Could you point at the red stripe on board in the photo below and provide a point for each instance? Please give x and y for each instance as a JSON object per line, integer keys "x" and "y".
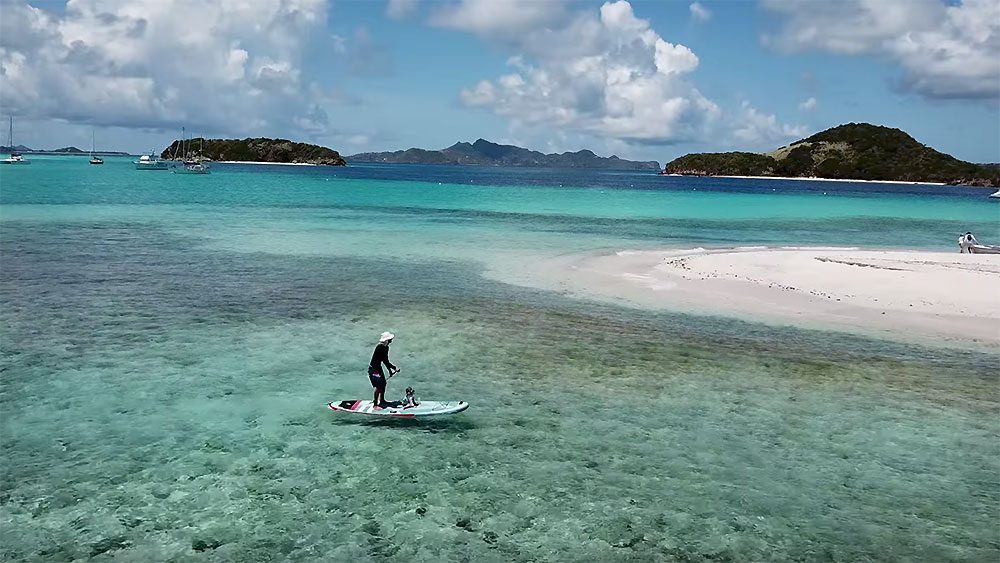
{"x": 355, "y": 405}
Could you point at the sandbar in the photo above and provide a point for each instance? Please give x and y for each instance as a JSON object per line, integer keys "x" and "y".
{"x": 941, "y": 297}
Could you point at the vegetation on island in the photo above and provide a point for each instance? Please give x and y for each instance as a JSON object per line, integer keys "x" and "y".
{"x": 485, "y": 153}
{"x": 253, "y": 150}
{"x": 855, "y": 151}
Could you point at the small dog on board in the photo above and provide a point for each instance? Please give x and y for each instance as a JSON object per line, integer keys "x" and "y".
{"x": 410, "y": 400}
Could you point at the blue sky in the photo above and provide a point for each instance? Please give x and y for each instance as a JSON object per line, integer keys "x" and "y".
{"x": 647, "y": 80}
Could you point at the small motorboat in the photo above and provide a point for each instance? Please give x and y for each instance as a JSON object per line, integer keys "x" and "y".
{"x": 984, "y": 249}
{"x": 149, "y": 162}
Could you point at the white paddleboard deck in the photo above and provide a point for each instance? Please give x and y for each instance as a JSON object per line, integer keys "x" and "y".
{"x": 425, "y": 408}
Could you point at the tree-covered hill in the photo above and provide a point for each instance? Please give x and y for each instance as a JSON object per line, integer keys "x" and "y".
{"x": 855, "y": 151}
{"x": 254, "y": 150}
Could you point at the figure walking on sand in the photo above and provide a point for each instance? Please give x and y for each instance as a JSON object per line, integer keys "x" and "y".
{"x": 375, "y": 374}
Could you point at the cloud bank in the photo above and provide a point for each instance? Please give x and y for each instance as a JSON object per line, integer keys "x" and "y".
{"x": 227, "y": 66}
{"x": 607, "y": 73}
{"x": 944, "y": 50}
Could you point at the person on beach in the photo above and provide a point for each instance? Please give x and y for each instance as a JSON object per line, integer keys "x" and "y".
{"x": 375, "y": 374}
{"x": 966, "y": 241}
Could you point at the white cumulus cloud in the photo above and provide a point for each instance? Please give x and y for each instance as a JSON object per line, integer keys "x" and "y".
{"x": 945, "y": 49}
{"x": 700, "y": 12}
{"x": 607, "y": 74}
{"x": 229, "y": 66}
{"x": 757, "y": 129}
{"x": 808, "y": 105}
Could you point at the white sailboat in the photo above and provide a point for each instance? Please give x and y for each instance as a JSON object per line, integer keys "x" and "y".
{"x": 15, "y": 157}
{"x": 995, "y": 195}
{"x": 94, "y": 159}
{"x": 189, "y": 165}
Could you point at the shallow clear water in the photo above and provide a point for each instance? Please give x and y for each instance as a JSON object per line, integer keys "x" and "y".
{"x": 169, "y": 342}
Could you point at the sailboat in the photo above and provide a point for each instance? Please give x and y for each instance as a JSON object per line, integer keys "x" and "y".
{"x": 94, "y": 159}
{"x": 189, "y": 165}
{"x": 15, "y": 157}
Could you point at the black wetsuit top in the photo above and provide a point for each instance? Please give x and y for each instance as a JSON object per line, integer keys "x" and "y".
{"x": 380, "y": 355}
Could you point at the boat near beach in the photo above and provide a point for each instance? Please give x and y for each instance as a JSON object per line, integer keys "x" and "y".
{"x": 984, "y": 249}
{"x": 995, "y": 195}
{"x": 149, "y": 162}
{"x": 191, "y": 167}
{"x": 196, "y": 165}
{"x": 15, "y": 157}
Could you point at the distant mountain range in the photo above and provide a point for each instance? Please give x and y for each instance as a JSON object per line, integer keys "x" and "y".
{"x": 254, "y": 150}
{"x": 854, "y": 151}
{"x": 485, "y": 153}
{"x": 64, "y": 150}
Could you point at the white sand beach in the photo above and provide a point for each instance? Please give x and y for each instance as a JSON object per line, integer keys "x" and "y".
{"x": 813, "y": 179}
{"x": 943, "y": 297}
{"x": 267, "y": 163}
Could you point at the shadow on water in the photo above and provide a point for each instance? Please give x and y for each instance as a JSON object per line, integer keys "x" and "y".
{"x": 427, "y": 424}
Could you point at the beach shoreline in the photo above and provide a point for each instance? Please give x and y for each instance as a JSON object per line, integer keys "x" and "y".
{"x": 812, "y": 179}
{"x": 269, "y": 163}
{"x": 924, "y": 296}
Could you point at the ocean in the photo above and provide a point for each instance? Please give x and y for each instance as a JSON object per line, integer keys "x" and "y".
{"x": 169, "y": 343}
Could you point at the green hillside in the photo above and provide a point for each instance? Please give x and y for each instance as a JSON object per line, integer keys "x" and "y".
{"x": 254, "y": 150}
{"x": 855, "y": 151}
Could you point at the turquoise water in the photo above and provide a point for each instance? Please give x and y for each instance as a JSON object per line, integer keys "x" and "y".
{"x": 169, "y": 343}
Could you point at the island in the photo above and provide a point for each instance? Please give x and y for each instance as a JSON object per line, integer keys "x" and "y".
{"x": 853, "y": 151}
{"x": 485, "y": 153}
{"x": 72, "y": 151}
{"x": 261, "y": 149}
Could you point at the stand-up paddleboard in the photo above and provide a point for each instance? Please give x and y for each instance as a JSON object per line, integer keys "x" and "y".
{"x": 425, "y": 408}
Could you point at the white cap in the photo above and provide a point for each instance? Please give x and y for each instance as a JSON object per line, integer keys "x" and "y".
{"x": 386, "y": 336}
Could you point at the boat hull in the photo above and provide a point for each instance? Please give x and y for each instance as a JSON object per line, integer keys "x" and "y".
{"x": 191, "y": 169}
{"x": 984, "y": 249}
{"x": 150, "y": 166}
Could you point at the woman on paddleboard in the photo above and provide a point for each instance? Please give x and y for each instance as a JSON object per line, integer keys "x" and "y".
{"x": 375, "y": 374}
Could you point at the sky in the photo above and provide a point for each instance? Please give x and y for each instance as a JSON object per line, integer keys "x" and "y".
{"x": 645, "y": 80}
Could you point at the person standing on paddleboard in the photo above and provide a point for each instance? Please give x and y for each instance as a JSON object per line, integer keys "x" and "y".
{"x": 375, "y": 374}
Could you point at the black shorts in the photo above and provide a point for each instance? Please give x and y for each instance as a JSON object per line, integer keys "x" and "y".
{"x": 378, "y": 381}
